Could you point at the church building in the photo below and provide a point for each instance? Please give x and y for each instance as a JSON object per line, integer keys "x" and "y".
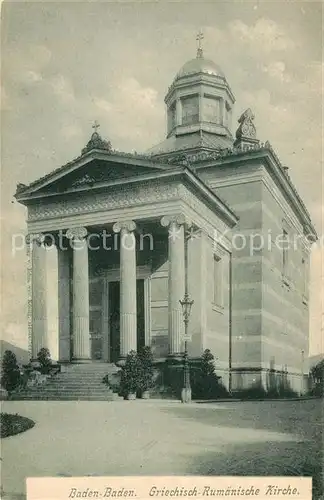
{"x": 116, "y": 239}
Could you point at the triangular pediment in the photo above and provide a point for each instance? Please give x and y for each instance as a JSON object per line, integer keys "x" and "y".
{"x": 98, "y": 170}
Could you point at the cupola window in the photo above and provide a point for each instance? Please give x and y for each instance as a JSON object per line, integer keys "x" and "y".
{"x": 172, "y": 117}
{"x": 211, "y": 110}
{"x": 228, "y": 116}
{"x": 190, "y": 110}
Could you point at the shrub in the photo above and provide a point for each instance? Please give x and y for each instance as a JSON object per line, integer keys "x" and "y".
{"x": 10, "y": 378}
{"x": 205, "y": 383}
{"x": 13, "y": 424}
{"x": 131, "y": 374}
{"x": 145, "y": 357}
{"x": 317, "y": 376}
{"x": 256, "y": 392}
{"x": 44, "y": 359}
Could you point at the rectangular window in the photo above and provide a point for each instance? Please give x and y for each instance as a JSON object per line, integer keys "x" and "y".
{"x": 211, "y": 110}
{"x": 305, "y": 277}
{"x": 190, "y": 110}
{"x": 218, "y": 281}
{"x": 285, "y": 248}
{"x": 228, "y": 116}
{"x": 172, "y": 117}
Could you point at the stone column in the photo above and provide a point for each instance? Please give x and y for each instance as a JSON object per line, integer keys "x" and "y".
{"x": 64, "y": 303}
{"x": 52, "y": 302}
{"x": 37, "y": 293}
{"x": 80, "y": 315}
{"x": 128, "y": 308}
{"x": 175, "y": 227}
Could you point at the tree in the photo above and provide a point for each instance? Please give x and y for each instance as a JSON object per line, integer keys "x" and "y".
{"x": 10, "y": 378}
{"x": 131, "y": 375}
{"x": 145, "y": 356}
{"x": 44, "y": 358}
{"x": 317, "y": 374}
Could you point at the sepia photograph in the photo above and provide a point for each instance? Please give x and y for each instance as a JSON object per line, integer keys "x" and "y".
{"x": 162, "y": 248}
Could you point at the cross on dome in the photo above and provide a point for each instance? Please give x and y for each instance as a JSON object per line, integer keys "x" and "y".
{"x": 199, "y": 38}
{"x": 95, "y": 125}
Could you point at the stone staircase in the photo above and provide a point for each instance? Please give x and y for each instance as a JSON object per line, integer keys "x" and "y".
{"x": 76, "y": 382}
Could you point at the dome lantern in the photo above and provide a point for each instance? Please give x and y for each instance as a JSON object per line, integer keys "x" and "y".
{"x": 200, "y": 100}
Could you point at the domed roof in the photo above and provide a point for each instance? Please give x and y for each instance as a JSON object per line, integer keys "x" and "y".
{"x": 199, "y": 65}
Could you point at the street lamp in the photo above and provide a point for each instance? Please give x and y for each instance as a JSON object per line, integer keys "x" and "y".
{"x": 186, "y": 305}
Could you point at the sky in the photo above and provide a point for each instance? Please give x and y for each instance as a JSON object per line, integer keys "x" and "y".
{"x": 65, "y": 65}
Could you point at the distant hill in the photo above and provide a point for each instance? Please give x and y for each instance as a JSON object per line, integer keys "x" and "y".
{"x": 21, "y": 354}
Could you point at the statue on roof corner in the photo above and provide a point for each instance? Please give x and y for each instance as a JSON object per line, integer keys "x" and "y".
{"x": 246, "y": 132}
{"x": 246, "y": 127}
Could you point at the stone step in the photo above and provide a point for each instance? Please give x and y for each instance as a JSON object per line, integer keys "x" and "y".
{"x": 71, "y": 397}
{"x": 75, "y": 382}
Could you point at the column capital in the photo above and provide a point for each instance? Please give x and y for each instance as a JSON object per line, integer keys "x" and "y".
{"x": 128, "y": 225}
{"x": 38, "y": 238}
{"x": 76, "y": 233}
{"x": 179, "y": 219}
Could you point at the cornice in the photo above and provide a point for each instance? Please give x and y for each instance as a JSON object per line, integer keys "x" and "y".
{"x": 96, "y": 154}
{"x": 199, "y": 79}
{"x": 155, "y": 181}
{"x": 265, "y": 152}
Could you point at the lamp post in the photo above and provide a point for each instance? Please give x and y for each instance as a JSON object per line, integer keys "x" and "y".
{"x": 302, "y": 373}
{"x": 186, "y": 304}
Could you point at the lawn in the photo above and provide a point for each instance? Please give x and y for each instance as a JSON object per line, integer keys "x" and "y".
{"x": 164, "y": 438}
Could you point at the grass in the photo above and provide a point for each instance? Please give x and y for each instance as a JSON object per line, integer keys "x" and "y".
{"x": 14, "y": 424}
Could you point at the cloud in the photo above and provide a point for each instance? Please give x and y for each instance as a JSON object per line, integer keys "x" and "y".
{"x": 25, "y": 63}
{"x": 133, "y": 113}
{"x": 5, "y": 102}
{"x": 265, "y": 35}
{"x": 33, "y": 77}
{"x": 277, "y": 70}
{"x": 62, "y": 88}
{"x": 70, "y": 131}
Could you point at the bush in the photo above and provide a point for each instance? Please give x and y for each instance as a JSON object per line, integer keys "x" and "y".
{"x": 145, "y": 357}
{"x": 44, "y": 359}
{"x": 317, "y": 377}
{"x": 112, "y": 381}
{"x": 256, "y": 392}
{"x": 13, "y": 424}
{"x": 131, "y": 375}
{"x": 205, "y": 384}
{"x": 10, "y": 378}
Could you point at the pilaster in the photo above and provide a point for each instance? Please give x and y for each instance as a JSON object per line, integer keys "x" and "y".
{"x": 37, "y": 289}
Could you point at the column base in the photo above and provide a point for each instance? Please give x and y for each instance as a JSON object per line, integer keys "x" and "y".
{"x": 176, "y": 356}
{"x": 186, "y": 395}
{"x": 81, "y": 360}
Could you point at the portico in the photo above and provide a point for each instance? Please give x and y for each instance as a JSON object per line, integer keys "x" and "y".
{"x": 106, "y": 262}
